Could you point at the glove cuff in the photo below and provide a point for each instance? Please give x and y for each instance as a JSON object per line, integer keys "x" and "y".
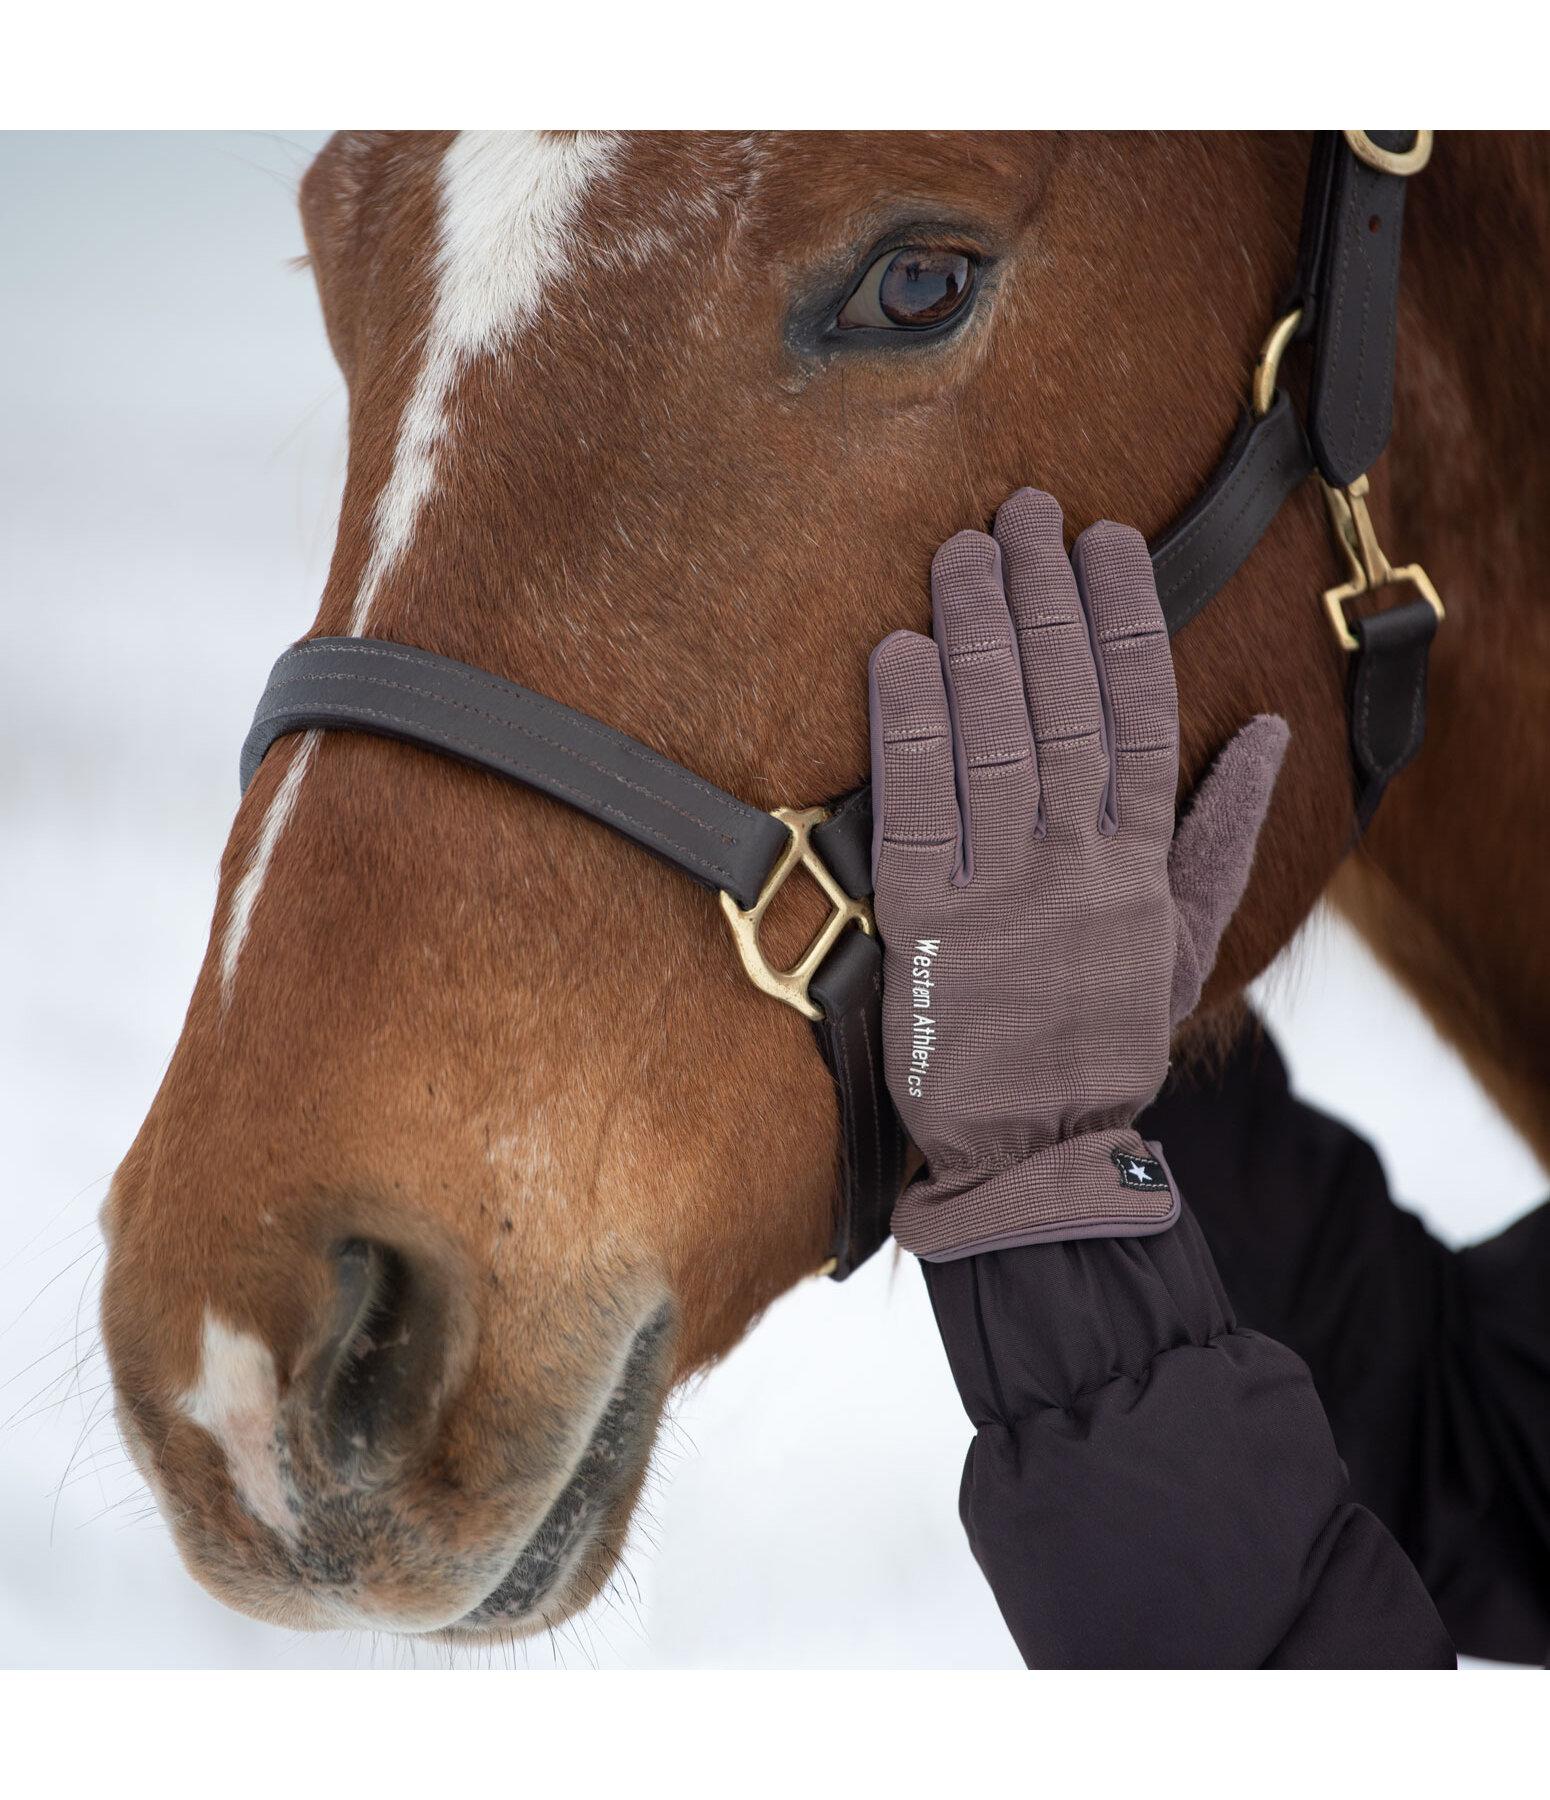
{"x": 1102, "y": 1184}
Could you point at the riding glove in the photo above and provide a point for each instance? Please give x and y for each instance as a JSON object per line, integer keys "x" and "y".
{"x": 1044, "y": 923}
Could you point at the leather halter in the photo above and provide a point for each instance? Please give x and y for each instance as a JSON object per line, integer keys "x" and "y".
{"x": 1344, "y": 298}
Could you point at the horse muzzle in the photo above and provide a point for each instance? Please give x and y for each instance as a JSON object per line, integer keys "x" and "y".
{"x": 386, "y": 1472}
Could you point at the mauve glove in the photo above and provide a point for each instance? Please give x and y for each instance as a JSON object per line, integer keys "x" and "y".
{"x": 1044, "y": 926}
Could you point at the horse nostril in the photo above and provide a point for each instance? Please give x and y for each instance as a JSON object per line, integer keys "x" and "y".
{"x": 384, "y": 1369}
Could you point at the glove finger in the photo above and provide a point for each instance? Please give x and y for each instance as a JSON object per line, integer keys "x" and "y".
{"x": 914, "y": 805}
{"x": 1059, "y": 676}
{"x": 1213, "y": 849}
{"x": 1135, "y": 670}
{"x": 998, "y": 781}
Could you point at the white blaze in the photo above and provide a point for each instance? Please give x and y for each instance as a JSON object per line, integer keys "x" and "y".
{"x": 237, "y": 1400}
{"x": 251, "y": 881}
{"x": 509, "y": 201}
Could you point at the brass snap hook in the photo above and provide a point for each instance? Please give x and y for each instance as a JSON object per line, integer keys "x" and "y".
{"x": 1370, "y": 568}
{"x": 791, "y": 984}
{"x": 1348, "y": 513}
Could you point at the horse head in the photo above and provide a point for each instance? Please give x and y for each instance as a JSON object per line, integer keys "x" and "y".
{"x": 477, "y": 1140}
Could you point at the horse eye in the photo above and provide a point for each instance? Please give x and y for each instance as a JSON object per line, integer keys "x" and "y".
{"x": 909, "y": 288}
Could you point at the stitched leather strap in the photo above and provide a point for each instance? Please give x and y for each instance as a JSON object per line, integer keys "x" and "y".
{"x": 1351, "y": 405}
{"x": 844, "y": 841}
{"x": 849, "y": 988}
{"x": 1303, "y": 295}
{"x": 1388, "y": 697}
{"x": 1200, "y": 553}
{"x": 1347, "y": 284}
{"x": 392, "y": 690}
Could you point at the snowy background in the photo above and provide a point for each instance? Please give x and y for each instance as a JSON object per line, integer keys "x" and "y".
{"x": 172, "y": 455}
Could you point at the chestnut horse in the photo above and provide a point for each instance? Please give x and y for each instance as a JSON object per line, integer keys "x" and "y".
{"x": 476, "y": 1140}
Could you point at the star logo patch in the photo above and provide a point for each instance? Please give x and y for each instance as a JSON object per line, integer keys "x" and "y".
{"x": 1139, "y": 1171}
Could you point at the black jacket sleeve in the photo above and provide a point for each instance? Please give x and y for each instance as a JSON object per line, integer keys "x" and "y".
{"x": 1152, "y": 1486}
{"x": 1433, "y": 1365}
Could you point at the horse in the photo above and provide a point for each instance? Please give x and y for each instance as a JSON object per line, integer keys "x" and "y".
{"x": 476, "y": 1142}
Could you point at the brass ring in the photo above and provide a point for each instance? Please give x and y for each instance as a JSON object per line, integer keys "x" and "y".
{"x": 1269, "y": 364}
{"x": 1391, "y": 162}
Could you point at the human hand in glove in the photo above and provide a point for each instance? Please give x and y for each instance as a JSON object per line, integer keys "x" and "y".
{"x": 1044, "y": 924}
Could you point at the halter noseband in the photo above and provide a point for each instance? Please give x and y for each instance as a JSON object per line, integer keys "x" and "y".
{"x": 1344, "y": 299}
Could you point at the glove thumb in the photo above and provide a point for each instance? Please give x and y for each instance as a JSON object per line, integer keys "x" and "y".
{"x": 1213, "y": 850}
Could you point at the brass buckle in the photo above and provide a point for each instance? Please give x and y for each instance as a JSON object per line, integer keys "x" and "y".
{"x": 790, "y": 984}
{"x": 1370, "y": 568}
{"x": 1391, "y": 162}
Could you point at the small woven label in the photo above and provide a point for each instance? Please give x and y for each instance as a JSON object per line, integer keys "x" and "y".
{"x": 1139, "y": 1171}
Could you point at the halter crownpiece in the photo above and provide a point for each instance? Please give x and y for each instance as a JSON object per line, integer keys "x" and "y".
{"x": 1345, "y": 299}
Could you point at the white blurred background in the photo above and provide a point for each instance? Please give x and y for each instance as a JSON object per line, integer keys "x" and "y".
{"x": 172, "y": 453}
